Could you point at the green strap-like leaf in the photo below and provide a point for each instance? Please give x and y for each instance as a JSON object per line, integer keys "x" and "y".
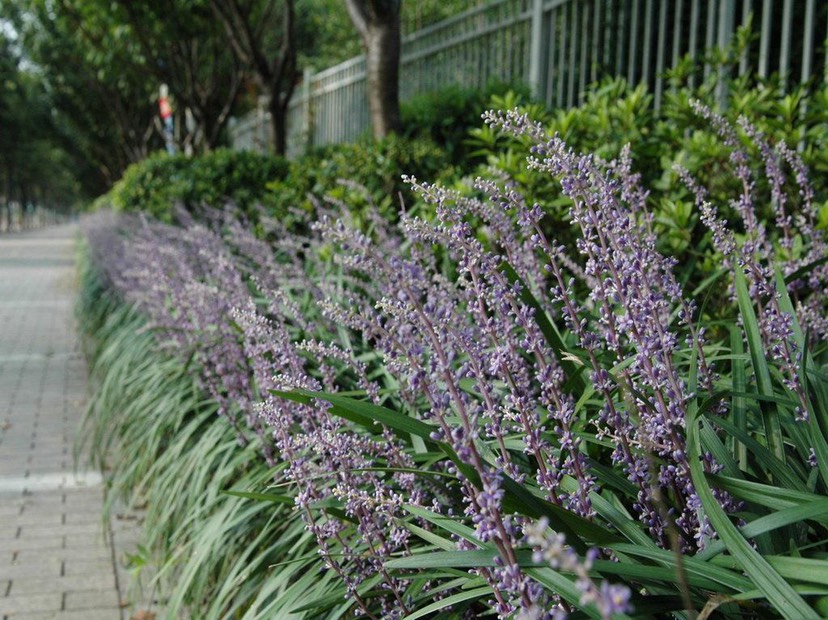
{"x": 816, "y": 510}
{"x": 770, "y": 415}
{"x": 778, "y": 591}
{"x": 773, "y": 497}
{"x": 517, "y": 498}
{"x": 818, "y": 409}
{"x": 262, "y": 497}
{"x": 461, "y": 597}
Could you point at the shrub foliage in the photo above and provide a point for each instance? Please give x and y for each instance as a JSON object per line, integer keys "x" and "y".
{"x": 162, "y": 182}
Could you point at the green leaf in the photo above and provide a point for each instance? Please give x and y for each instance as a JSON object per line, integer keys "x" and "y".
{"x": 805, "y": 270}
{"x": 778, "y": 591}
{"x": 738, "y": 407}
{"x": 816, "y": 510}
{"x": 697, "y": 571}
{"x": 449, "y": 524}
{"x": 770, "y": 416}
{"x": 430, "y": 537}
{"x": 517, "y": 498}
{"x": 798, "y": 569}
{"x": 776, "y": 498}
{"x": 453, "y": 559}
{"x": 461, "y": 597}
{"x": 780, "y": 472}
{"x": 363, "y": 413}
{"x": 262, "y": 497}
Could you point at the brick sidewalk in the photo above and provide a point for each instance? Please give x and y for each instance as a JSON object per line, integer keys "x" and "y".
{"x": 55, "y": 560}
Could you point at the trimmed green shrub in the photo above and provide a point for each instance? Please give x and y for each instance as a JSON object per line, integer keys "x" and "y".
{"x": 372, "y": 166}
{"x": 161, "y": 181}
{"x": 616, "y": 114}
{"x": 446, "y": 116}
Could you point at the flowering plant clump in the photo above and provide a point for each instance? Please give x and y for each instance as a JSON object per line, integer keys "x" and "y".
{"x": 474, "y": 417}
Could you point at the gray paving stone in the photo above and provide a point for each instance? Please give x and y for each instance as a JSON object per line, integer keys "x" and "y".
{"x": 31, "y": 571}
{"x": 37, "y": 518}
{"x": 62, "y": 584}
{"x": 12, "y": 605}
{"x": 90, "y": 556}
{"x": 83, "y": 614}
{"x": 86, "y": 530}
{"x": 20, "y": 544}
{"x": 90, "y": 599}
{"x": 75, "y": 568}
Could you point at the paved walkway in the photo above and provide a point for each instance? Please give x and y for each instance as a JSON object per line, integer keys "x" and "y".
{"x": 55, "y": 560}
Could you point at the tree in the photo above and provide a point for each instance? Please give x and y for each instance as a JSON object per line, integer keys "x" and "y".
{"x": 183, "y": 46}
{"x": 36, "y": 165}
{"x": 88, "y": 61}
{"x": 264, "y": 40}
{"x": 378, "y": 24}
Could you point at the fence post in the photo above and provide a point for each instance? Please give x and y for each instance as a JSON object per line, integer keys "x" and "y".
{"x": 536, "y": 55}
{"x": 785, "y": 51}
{"x": 808, "y": 43}
{"x": 764, "y": 39}
{"x": 307, "y": 109}
{"x": 727, "y": 16}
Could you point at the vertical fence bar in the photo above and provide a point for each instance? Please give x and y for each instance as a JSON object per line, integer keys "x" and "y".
{"x": 677, "y": 19}
{"x": 607, "y": 44}
{"x": 564, "y": 51}
{"x": 307, "y": 110}
{"x": 551, "y": 64}
{"x": 660, "y": 53}
{"x": 764, "y": 39}
{"x": 785, "y": 44}
{"x": 573, "y": 55}
{"x": 633, "y": 44}
{"x": 536, "y": 54}
{"x": 648, "y": 38}
{"x": 621, "y": 30}
{"x": 747, "y": 10}
{"x": 582, "y": 64}
{"x": 596, "y": 41}
{"x": 694, "y": 36}
{"x": 709, "y": 33}
{"x": 727, "y": 15}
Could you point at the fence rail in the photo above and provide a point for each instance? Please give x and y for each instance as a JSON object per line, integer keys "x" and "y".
{"x": 558, "y": 47}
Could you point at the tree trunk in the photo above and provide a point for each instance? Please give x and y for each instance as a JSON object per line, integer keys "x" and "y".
{"x": 275, "y": 73}
{"x": 382, "y": 60}
{"x": 378, "y": 25}
{"x": 9, "y": 184}
{"x": 278, "y": 124}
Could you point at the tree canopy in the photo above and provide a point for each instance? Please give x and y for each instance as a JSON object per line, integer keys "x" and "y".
{"x": 80, "y": 78}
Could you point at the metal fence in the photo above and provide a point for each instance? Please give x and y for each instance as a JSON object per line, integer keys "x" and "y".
{"x": 559, "y": 47}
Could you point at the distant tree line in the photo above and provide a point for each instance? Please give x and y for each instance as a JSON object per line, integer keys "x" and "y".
{"x": 81, "y": 78}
